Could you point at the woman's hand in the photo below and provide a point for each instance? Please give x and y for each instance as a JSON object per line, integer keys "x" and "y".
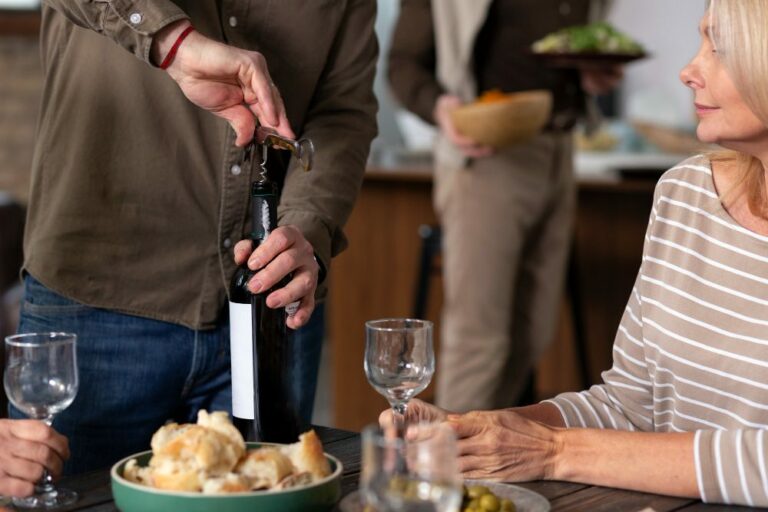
{"x": 27, "y": 447}
{"x": 229, "y": 82}
{"x": 284, "y": 251}
{"x": 417, "y": 412}
{"x": 442, "y": 114}
{"x": 504, "y": 446}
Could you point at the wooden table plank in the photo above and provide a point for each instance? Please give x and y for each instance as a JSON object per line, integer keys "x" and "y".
{"x": 701, "y": 507}
{"x": 552, "y": 490}
{"x": 597, "y": 499}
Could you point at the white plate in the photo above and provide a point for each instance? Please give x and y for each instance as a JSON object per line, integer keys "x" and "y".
{"x": 524, "y": 499}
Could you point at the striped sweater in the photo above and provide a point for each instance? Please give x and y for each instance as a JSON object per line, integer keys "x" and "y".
{"x": 691, "y": 352}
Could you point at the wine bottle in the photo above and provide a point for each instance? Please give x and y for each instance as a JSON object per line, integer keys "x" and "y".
{"x": 263, "y": 349}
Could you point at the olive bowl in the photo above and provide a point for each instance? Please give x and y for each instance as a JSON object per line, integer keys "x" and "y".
{"x": 319, "y": 496}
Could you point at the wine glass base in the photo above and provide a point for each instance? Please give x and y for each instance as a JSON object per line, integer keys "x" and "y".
{"x": 50, "y": 500}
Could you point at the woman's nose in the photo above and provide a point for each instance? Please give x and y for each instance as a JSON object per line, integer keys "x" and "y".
{"x": 690, "y": 75}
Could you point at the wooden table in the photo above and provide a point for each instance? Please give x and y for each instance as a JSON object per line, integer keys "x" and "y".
{"x": 95, "y": 494}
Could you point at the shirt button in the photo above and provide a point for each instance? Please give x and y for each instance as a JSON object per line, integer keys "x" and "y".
{"x": 235, "y": 170}
{"x": 232, "y": 21}
{"x": 227, "y": 243}
{"x": 135, "y": 18}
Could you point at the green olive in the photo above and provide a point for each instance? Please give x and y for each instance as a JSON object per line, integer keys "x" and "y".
{"x": 507, "y": 506}
{"x": 490, "y": 503}
{"x": 475, "y": 491}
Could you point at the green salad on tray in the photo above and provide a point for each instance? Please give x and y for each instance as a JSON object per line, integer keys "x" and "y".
{"x": 600, "y": 37}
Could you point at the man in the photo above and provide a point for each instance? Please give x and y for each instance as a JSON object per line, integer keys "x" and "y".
{"x": 505, "y": 215}
{"x": 138, "y": 196}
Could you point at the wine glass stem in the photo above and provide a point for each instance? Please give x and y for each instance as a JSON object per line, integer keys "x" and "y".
{"x": 45, "y": 484}
{"x": 400, "y": 409}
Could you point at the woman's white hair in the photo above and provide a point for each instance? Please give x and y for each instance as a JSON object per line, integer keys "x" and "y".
{"x": 739, "y": 31}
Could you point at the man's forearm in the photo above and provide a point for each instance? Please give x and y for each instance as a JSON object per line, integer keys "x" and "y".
{"x": 164, "y": 39}
{"x": 661, "y": 463}
{"x": 543, "y": 413}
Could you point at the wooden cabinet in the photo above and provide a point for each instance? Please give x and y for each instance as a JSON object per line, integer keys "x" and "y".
{"x": 376, "y": 278}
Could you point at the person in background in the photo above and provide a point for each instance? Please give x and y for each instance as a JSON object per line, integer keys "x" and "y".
{"x": 683, "y": 409}
{"x": 27, "y": 448}
{"x": 138, "y": 195}
{"x": 506, "y": 215}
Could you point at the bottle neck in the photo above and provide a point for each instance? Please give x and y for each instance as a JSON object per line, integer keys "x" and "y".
{"x": 263, "y": 210}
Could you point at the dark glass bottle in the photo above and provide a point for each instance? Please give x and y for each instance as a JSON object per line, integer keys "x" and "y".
{"x": 263, "y": 349}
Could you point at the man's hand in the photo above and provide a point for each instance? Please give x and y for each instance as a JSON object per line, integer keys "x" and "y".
{"x": 442, "y": 114}
{"x": 229, "y": 82}
{"x": 284, "y": 251}
{"x": 601, "y": 80}
{"x": 27, "y": 447}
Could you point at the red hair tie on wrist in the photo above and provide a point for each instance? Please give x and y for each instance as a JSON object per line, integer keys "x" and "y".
{"x": 172, "y": 53}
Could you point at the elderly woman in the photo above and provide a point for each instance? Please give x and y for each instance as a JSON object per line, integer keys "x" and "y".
{"x": 684, "y": 409}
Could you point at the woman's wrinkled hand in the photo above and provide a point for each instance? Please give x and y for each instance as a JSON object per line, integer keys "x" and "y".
{"x": 418, "y": 412}
{"x": 504, "y": 446}
{"x": 284, "y": 251}
{"x": 27, "y": 447}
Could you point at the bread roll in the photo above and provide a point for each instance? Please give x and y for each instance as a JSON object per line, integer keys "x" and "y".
{"x": 307, "y": 456}
{"x": 265, "y": 468}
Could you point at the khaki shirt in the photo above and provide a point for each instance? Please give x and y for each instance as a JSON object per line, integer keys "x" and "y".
{"x": 137, "y": 197}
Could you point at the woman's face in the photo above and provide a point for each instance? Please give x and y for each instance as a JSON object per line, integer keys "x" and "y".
{"x": 724, "y": 117}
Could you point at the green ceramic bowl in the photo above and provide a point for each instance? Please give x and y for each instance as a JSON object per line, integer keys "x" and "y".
{"x": 319, "y": 497}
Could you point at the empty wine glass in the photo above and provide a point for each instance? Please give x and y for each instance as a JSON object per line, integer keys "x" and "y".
{"x": 41, "y": 380}
{"x": 415, "y": 474}
{"x": 399, "y": 360}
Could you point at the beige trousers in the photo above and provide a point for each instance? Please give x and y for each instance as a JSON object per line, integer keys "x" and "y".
{"x": 507, "y": 222}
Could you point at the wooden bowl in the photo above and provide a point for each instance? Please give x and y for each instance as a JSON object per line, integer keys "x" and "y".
{"x": 512, "y": 120}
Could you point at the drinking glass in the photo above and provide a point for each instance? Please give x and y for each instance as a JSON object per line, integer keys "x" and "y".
{"x": 399, "y": 360}
{"x": 41, "y": 380}
{"x": 415, "y": 474}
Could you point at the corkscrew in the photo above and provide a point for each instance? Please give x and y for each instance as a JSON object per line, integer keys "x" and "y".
{"x": 302, "y": 149}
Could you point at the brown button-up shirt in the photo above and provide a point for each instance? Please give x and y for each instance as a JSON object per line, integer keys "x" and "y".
{"x": 137, "y": 195}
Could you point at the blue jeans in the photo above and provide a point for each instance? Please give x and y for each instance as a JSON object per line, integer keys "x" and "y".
{"x": 137, "y": 373}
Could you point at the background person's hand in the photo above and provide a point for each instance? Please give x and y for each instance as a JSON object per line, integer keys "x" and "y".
{"x": 504, "y": 446}
{"x": 418, "y": 412}
{"x": 601, "y": 80}
{"x": 227, "y": 81}
{"x": 284, "y": 251}
{"x": 442, "y": 114}
{"x": 26, "y": 448}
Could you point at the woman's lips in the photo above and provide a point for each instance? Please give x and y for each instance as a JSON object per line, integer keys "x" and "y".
{"x": 704, "y": 109}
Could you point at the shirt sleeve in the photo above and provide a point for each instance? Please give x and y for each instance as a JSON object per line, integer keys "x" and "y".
{"x": 342, "y": 121}
{"x": 130, "y": 23}
{"x": 412, "y": 59}
{"x": 731, "y": 466}
{"x": 625, "y": 399}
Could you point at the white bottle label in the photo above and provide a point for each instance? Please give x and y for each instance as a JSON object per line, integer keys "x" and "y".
{"x": 241, "y": 350}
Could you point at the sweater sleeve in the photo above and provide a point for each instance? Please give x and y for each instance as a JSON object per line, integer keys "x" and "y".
{"x": 624, "y": 401}
{"x": 731, "y": 466}
{"x": 130, "y": 23}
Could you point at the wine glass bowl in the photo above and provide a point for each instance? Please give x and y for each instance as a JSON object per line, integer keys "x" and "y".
{"x": 41, "y": 380}
{"x": 399, "y": 359}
